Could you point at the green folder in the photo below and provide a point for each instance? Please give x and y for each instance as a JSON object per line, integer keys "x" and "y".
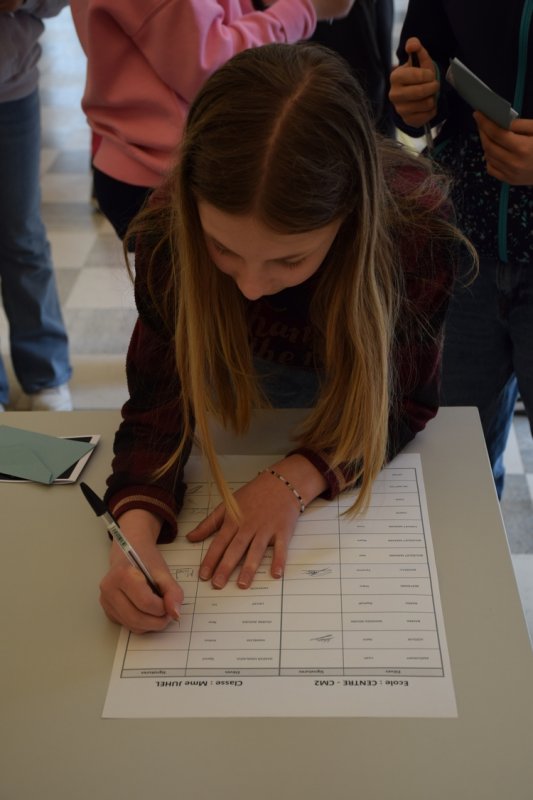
{"x": 36, "y": 456}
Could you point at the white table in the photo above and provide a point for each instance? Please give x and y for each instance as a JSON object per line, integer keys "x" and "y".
{"x": 58, "y": 647}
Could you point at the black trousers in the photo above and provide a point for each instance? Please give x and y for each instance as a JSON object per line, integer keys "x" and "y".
{"x": 119, "y": 201}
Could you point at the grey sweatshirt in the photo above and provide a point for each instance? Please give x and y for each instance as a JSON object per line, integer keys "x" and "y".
{"x": 19, "y": 46}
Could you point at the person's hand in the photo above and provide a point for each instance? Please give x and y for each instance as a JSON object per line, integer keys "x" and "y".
{"x": 8, "y": 6}
{"x": 414, "y": 90}
{"x": 508, "y": 153}
{"x": 269, "y": 512}
{"x": 332, "y": 9}
{"x": 124, "y": 593}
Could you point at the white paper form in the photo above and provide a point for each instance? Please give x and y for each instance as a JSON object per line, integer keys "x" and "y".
{"x": 354, "y": 628}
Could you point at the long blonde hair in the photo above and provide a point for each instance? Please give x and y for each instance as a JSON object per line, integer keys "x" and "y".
{"x": 283, "y": 132}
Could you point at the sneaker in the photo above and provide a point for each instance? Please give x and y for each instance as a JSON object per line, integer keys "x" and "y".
{"x": 56, "y": 399}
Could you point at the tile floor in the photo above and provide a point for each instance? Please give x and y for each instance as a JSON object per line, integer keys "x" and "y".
{"x": 96, "y": 293}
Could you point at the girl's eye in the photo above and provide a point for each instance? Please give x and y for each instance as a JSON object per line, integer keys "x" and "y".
{"x": 220, "y": 248}
{"x": 292, "y": 264}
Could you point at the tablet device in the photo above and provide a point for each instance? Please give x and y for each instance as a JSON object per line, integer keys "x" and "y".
{"x": 72, "y": 474}
{"x": 478, "y": 95}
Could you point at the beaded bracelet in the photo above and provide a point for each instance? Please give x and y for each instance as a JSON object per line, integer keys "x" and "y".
{"x": 289, "y": 486}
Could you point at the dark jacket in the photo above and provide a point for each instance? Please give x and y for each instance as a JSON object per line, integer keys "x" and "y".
{"x": 492, "y": 40}
{"x": 364, "y": 40}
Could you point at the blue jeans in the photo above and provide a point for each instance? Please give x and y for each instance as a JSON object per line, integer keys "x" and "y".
{"x": 488, "y": 351}
{"x": 38, "y": 339}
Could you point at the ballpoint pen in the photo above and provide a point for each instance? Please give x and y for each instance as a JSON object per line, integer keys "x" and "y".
{"x": 415, "y": 61}
{"x": 99, "y": 508}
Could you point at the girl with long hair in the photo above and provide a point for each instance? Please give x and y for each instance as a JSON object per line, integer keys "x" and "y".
{"x": 293, "y": 258}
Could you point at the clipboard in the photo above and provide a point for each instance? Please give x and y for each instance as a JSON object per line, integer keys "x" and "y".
{"x": 480, "y": 96}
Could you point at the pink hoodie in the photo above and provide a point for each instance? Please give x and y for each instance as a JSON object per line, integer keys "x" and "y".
{"x": 148, "y": 58}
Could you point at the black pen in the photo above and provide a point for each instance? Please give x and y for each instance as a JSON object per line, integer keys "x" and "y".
{"x": 415, "y": 61}
{"x": 98, "y": 506}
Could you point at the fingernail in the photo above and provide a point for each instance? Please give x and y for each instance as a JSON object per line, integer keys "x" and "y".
{"x": 203, "y": 574}
{"x": 176, "y": 615}
{"x": 218, "y": 582}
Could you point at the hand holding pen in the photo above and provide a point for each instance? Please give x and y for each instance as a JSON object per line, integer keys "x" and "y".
{"x": 145, "y": 598}
{"x": 414, "y": 88}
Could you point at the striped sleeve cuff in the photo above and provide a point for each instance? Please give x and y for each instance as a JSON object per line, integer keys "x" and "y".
{"x": 152, "y": 499}
{"x": 338, "y": 478}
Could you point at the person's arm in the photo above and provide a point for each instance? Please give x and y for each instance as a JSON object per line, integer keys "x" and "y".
{"x": 205, "y": 36}
{"x": 417, "y": 402}
{"x": 429, "y": 266}
{"x": 124, "y": 592}
{"x": 270, "y": 505}
{"x": 149, "y": 433}
{"x": 508, "y": 153}
{"x": 420, "y": 94}
{"x": 19, "y": 50}
{"x": 37, "y": 8}
{"x": 145, "y": 507}
{"x": 414, "y": 86}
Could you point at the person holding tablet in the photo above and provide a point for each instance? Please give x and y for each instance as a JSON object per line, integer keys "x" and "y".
{"x": 487, "y": 351}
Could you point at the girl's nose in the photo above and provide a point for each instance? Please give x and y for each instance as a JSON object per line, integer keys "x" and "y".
{"x": 251, "y": 283}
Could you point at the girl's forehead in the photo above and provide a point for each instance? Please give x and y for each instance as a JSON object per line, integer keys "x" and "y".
{"x": 224, "y": 226}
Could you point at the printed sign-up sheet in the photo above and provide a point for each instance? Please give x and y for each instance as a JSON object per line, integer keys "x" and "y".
{"x": 354, "y": 628}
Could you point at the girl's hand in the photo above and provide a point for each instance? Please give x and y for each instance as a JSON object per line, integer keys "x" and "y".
{"x": 124, "y": 593}
{"x": 414, "y": 90}
{"x": 269, "y": 513}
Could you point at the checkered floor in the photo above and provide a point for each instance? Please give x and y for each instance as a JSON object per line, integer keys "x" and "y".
{"x": 96, "y": 293}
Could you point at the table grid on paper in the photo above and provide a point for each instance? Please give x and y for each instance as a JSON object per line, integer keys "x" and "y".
{"x": 356, "y": 597}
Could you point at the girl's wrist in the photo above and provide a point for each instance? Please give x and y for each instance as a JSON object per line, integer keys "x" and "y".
{"x": 303, "y": 476}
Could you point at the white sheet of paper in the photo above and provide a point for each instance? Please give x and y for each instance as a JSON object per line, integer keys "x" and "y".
{"x": 354, "y": 628}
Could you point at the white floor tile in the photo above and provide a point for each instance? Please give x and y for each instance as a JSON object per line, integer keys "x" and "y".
{"x": 99, "y": 382}
{"x": 105, "y": 226}
{"x": 66, "y": 188}
{"x": 523, "y": 567}
{"x": 48, "y": 156}
{"x": 529, "y": 479}
{"x": 98, "y": 287}
{"x": 4, "y": 332}
{"x": 71, "y": 248}
{"x": 512, "y": 458}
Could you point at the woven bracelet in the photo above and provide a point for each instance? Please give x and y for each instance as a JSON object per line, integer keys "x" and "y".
{"x": 289, "y": 486}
